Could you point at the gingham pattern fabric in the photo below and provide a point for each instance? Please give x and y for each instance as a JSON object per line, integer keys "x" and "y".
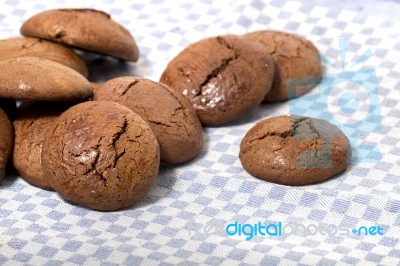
{"x": 171, "y": 225}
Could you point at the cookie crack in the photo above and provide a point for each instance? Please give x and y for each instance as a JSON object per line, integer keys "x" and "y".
{"x": 278, "y": 45}
{"x": 184, "y": 73}
{"x": 282, "y": 135}
{"x": 94, "y": 168}
{"x": 93, "y": 164}
{"x": 308, "y": 122}
{"x": 178, "y": 123}
{"x": 222, "y": 66}
{"x": 30, "y": 45}
{"x": 275, "y": 46}
{"x": 30, "y": 123}
{"x": 115, "y": 139}
{"x": 176, "y": 98}
{"x": 221, "y": 40}
{"x": 59, "y": 34}
{"x": 316, "y": 153}
{"x": 159, "y": 123}
{"x": 296, "y": 124}
{"x": 181, "y": 107}
{"x": 138, "y": 150}
{"x": 130, "y": 85}
{"x": 216, "y": 71}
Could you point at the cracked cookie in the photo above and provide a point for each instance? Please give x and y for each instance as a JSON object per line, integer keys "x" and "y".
{"x": 296, "y": 61}
{"x": 6, "y": 141}
{"x": 34, "y": 78}
{"x": 101, "y": 155}
{"x": 26, "y": 46}
{"x": 294, "y": 150}
{"x": 169, "y": 115}
{"x": 88, "y": 29}
{"x": 224, "y": 77}
{"x": 30, "y": 128}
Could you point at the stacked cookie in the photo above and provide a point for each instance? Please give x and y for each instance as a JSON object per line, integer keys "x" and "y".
{"x": 100, "y": 145}
{"x": 98, "y": 154}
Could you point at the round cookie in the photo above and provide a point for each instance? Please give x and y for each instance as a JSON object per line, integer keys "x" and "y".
{"x": 34, "y": 78}
{"x": 6, "y": 141}
{"x": 88, "y": 29}
{"x": 172, "y": 119}
{"x": 294, "y": 150}
{"x": 224, "y": 77}
{"x": 296, "y": 60}
{"x": 26, "y": 46}
{"x": 30, "y": 129}
{"x": 101, "y": 155}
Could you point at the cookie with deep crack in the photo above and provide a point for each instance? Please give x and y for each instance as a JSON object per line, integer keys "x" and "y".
{"x": 101, "y": 155}
{"x": 294, "y": 150}
{"x": 6, "y": 141}
{"x": 298, "y": 66}
{"x": 27, "y": 46}
{"x": 39, "y": 79}
{"x": 30, "y": 128}
{"x": 168, "y": 113}
{"x": 224, "y": 77}
{"x": 87, "y": 29}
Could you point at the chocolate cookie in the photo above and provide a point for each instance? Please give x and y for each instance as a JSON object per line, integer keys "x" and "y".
{"x": 294, "y": 150}
{"x": 88, "y": 29}
{"x": 100, "y": 155}
{"x": 224, "y": 77}
{"x": 169, "y": 115}
{"x": 34, "y": 78}
{"x": 26, "y": 46}
{"x": 296, "y": 61}
{"x": 30, "y": 128}
{"x": 6, "y": 141}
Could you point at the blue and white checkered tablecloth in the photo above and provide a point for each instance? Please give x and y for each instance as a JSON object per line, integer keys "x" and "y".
{"x": 182, "y": 220}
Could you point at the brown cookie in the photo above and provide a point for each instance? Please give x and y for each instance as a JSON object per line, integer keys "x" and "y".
{"x": 30, "y": 128}
{"x": 224, "y": 77}
{"x": 88, "y": 29}
{"x": 100, "y": 155}
{"x": 169, "y": 115}
{"x": 26, "y": 46}
{"x": 294, "y": 150}
{"x": 34, "y": 78}
{"x": 6, "y": 141}
{"x": 296, "y": 61}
